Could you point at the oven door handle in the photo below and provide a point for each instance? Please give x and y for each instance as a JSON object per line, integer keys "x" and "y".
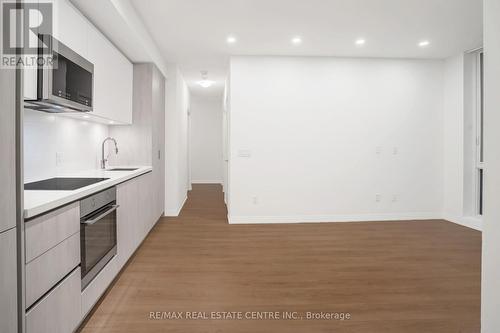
{"x": 94, "y": 220}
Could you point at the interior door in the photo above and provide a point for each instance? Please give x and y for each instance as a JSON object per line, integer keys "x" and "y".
{"x": 158, "y": 106}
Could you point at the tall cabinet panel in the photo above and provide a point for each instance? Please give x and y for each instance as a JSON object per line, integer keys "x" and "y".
{"x": 8, "y": 259}
{"x": 143, "y": 142}
{"x": 8, "y": 281}
{"x": 7, "y": 150}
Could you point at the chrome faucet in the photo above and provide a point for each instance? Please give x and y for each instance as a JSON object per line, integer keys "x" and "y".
{"x": 104, "y": 160}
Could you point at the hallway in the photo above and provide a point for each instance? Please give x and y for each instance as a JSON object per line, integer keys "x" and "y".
{"x": 401, "y": 277}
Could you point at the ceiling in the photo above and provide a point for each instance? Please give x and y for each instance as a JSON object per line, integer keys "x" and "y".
{"x": 193, "y": 33}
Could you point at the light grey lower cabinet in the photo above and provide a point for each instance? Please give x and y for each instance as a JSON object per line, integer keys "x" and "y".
{"x": 134, "y": 220}
{"x": 127, "y": 216}
{"x": 63, "y": 305}
{"x": 47, "y": 270}
{"x": 146, "y": 200}
{"x": 135, "y": 216}
{"x": 8, "y": 282}
{"x": 98, "y": 286}
{"x": 44, "y": 232}
{"x": 60, "y": 310}
{"x": 52, "y": 272}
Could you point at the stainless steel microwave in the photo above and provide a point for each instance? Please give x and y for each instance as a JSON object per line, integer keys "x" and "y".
{"x": 65, "y": 84}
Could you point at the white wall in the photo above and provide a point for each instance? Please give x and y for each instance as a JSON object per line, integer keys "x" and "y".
{"x": 77, "y": 142}
{"x": 453, "y": 136}
{"x": 327, "y": 135}
{"x": 176, "y": 141}
{"x": 206, "y": 139}
{"x": 490, "y": 320}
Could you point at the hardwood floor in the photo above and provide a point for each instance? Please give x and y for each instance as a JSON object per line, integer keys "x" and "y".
{"x": 401, "y": 277}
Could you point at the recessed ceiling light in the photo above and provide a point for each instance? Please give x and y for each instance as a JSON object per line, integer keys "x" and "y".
{"x": 86, "y": 116}
{"x": 205, "y": 82}
{"x": 231, "y": 39}
{"x": 111, "y": 122}
{"x": 296, "y": 40}
{"x": 424, "y": 43}
{"x": 360, "y": 42}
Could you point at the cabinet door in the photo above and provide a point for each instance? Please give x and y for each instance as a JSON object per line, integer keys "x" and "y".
{"x": 147, "y": 202}
{"x": 70, "y": 27}
{"x": 45, "y": 271}
{"x": 134, "y": 216}
{"x": 60, "y": 310}
{"x": 113, "y": 76}
{"x": 91, "y": 294}
{"x": 30, "y": 70}
{"x": 7, "y": 150}
{"x": 127, "y": 219}
{"x": 8, "y": 282}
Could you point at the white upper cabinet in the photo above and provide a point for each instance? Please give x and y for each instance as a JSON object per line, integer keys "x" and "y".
{"x": 113, "y": 72}
{"x": 113, "y": 79}
{"x": 70, "y": 27}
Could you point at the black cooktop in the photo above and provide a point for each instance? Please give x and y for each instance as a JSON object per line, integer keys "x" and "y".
{"x": 62, "y": 184}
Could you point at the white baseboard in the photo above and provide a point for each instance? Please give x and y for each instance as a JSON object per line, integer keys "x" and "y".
{"x": 206, "y": 182}
{"x": 333, "y": 218}
{"x": 466, "y": 221}
{"x": 177, "y": 211}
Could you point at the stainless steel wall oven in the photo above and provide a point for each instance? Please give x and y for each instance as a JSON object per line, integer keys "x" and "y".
{"x": 97, "y": 233}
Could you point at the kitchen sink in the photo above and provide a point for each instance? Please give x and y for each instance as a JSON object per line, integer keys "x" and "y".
{"x": 123, "y": 169}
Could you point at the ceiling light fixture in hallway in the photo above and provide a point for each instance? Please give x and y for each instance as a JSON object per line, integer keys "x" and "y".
{"x": 205, "y": 82}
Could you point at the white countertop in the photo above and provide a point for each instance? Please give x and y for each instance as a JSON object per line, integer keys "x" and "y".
{"x": 39, "y": 202}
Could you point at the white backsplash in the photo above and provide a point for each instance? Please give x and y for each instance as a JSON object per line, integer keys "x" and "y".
{"x": 55, "y": 144}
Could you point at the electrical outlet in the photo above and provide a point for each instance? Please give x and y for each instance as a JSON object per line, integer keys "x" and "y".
{"x": 395, "y": 150}
{"x": 395, "y": 198}
{"x": 255, "y": 200}
{"x": 378, "y": 150}
{"x": 378, "y": 198}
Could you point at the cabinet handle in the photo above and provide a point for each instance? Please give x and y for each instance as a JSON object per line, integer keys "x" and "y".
{"x": 96, "y": 219}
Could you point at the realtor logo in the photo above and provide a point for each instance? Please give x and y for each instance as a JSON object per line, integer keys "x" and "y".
{"x": 22, "y": 24}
